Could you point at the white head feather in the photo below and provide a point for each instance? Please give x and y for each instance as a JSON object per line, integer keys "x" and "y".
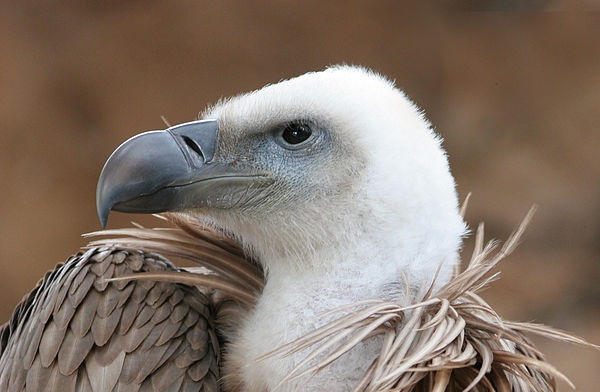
{"x": 372, "y": 214}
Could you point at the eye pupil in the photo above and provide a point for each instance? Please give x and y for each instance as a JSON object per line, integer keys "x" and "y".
{"x": 296, "y": 133}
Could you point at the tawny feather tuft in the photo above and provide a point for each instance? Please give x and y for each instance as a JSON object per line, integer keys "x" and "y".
{"x": 450, "y": 341}
{"x": 223, "y": 266}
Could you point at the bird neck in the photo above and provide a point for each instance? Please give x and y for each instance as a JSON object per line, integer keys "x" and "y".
{"x": 328, "y": 267}
{"x": 361, "y": 264}
{"x": 299, "y": 293}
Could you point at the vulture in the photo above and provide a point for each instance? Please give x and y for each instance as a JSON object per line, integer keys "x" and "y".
{"x": 324, "y": 221}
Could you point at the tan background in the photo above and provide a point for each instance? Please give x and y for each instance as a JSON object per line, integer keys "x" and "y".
{"x": 516, "y": 96}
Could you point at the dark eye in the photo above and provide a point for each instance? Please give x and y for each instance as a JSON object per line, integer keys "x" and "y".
{"x": 296, "y": 133}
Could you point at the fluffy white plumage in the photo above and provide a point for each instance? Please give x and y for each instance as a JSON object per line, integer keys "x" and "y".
{"x": 368, "y": 211}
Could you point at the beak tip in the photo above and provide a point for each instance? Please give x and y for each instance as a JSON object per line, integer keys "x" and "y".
{"x": 103, "y": 212}
{"x": 104, "y": 202}
{"x": 103, "y": 221}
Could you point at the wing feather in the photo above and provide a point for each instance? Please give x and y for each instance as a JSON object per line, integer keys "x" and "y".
{"x": 104, "y": 376}
{"x": 103, "y": 328}
{"x": 78, "y": 330}
{"x": 73, "y": 351}
{"x": 50, "y": 343}
{"x": 82, "y": 320}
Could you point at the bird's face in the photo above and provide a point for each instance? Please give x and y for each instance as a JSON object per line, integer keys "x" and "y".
{"x": 294, "y": 163}
{"x": 248, "y": 165}
{"x": 259, "y": 155}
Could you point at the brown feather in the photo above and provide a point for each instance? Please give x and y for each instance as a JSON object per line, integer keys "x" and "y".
{"x": 98, "y": 334}
{"x": 106, "y": 375}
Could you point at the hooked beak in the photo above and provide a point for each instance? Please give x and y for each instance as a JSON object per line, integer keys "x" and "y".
{"x": 171, "y": 170}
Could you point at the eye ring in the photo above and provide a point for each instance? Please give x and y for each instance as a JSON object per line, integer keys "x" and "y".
{"x": 296, "y": 133}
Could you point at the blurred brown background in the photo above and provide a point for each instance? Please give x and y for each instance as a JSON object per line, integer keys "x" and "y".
{"x": 514, "y": 88}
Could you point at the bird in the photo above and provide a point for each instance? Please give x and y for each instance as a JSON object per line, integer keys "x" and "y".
{"x": 325, "y": 217}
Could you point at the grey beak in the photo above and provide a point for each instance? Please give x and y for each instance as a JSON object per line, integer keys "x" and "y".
{"x": 151, "y": 172}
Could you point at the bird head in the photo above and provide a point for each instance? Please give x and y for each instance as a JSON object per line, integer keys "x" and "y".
{"x": 308, "y": 165}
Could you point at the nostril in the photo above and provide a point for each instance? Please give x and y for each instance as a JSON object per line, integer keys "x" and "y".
{"x": 197, "y": 136}
{"x": 193, "y": 145}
